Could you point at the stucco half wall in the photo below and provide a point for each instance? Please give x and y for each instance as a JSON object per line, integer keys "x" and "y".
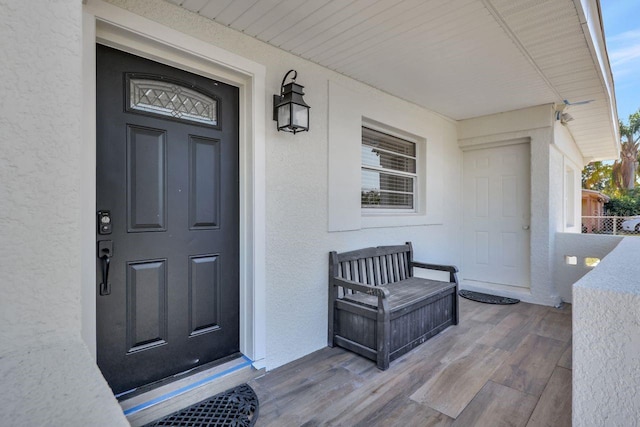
{"x": 606, "y": 340}
{"x": 571, "y": 253}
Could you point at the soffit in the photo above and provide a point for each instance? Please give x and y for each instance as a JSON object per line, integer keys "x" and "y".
{"x": 460, "y": 58}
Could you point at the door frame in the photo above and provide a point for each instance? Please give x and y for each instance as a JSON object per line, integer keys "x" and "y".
{"x": 118, "y": 28}
{"x": 539, "y": 278}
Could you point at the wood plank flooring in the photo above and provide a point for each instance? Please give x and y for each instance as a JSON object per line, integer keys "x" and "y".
{"x": 504, "y": 365}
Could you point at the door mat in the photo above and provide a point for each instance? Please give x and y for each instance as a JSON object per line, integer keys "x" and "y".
{"x": 235, "y": 407}
{"x": 486, "y": 298}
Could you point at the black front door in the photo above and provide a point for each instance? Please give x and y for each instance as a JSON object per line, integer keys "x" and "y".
{"x": 168, "y": 220}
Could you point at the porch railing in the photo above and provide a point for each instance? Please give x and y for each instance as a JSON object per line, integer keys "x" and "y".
{"x": 613, "y": 225}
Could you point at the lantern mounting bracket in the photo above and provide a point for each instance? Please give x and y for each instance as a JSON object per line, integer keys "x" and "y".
{"x": 295, "y": 76}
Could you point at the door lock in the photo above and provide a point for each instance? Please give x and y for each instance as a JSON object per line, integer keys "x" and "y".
{"x": 104, "y": 222}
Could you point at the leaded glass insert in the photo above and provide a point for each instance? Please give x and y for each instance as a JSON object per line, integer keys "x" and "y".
{"x": 173, "y": 100}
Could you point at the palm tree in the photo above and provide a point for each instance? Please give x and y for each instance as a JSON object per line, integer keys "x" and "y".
{"x": 624, "y": 170}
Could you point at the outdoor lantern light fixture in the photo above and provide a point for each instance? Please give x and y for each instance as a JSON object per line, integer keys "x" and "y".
{"x": 289, "y": 109}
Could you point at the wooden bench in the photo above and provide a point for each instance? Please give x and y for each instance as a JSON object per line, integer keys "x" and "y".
{"x": 378, "y": 309}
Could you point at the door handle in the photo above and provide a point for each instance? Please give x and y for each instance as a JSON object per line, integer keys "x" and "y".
{"x": 105, "y": 286}
{"x": 525, "y": 227}
{"x": 105, "y": 252}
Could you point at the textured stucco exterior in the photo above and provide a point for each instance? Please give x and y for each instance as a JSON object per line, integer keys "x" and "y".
{"x": 553, "y": 151}
{"x": 297, "y": 182}
{"x": 606, "y": 341}
{"x": 56, "y": 384}
{"x": 535, "y": 126}
{"x": 47, "y": 375}
{"x": 44, "y": 365}
{"x": 40, "y": 122}
{"x": 565, "y": 166}
{"x": 568, "y": 215}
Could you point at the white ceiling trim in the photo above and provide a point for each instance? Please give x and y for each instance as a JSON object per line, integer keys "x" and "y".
{"x": 459, "y": 58}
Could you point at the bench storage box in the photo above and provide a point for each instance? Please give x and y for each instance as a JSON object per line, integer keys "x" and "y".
{"x": 378, "y": 309}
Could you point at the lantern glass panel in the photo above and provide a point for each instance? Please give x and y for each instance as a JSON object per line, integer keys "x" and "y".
{"x": 284, "y": 116}
{"x": 300, "y": 116}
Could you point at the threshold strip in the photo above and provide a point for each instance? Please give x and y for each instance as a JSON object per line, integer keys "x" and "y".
{"x": 182, "y": 390}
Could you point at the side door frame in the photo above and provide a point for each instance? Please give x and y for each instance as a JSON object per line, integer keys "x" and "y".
{"x": 115, "y": 27}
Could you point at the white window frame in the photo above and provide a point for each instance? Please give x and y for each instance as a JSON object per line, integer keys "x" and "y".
{"x": 436, "y": 136}
{"x": 417, "y": 176}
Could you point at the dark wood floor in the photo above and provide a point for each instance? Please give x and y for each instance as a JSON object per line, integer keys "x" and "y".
{"x": 503, "y": 365}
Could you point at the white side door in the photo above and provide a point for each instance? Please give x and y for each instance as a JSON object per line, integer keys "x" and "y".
{"x": 497, "y": 215}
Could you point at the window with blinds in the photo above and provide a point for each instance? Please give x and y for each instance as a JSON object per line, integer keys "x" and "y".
{"x": 388, "y": 172}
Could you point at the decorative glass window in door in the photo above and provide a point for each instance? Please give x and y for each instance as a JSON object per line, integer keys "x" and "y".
{"x": 168, "y": 98}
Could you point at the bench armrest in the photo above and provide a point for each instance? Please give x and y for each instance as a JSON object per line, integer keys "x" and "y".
{"x": 440, "y": 267}
{"x": 378, "y": 291}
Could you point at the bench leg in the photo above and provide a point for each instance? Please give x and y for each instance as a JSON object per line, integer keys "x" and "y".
{"x": 333, "y": 296}
{"x": 384, "y": 335}
{"x": 456, "y": 307}
{"x": 456, "y": 299}
{"x": 331, "y": 315}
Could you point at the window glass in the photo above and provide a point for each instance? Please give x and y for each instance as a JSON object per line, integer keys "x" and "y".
{"x": 388, "y": 171}
{"x": 169, "y": 99}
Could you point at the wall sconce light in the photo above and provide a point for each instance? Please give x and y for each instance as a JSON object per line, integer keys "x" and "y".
{"x": 289, "y": 109}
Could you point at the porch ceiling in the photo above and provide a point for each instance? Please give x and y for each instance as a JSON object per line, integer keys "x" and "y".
{"x": 460, "y": 58}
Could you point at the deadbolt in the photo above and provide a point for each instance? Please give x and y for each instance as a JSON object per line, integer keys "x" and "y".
{"x": 104, "y": 222}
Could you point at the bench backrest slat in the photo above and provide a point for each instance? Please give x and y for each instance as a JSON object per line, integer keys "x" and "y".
{"x": 377, "y": 279}
{"x": 393, "y": 267}
{"x": 402, "y": 261}
{"x": 375, "y": 266}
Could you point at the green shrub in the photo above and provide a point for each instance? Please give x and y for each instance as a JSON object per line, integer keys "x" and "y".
{"x": 627, "y": 205}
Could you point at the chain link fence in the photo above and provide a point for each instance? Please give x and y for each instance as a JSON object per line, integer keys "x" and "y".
{"x": 614, "y": 225}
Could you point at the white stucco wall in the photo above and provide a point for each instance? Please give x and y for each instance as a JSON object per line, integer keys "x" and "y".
{"x": 39, "y": 219}
{"x": 572, "y": 160}
{"x": 555, "y": 203}
{"x": 565, "y": 167}
{"x": 48, "y": 376}
{"x": 536, "y": 126}
{"x": 606, "y": 341}
{"x": 297, "y": 180}
{"x": 44, "y": 365}
{"x": 349, "y": 109}
{"x": 556, "y": 194}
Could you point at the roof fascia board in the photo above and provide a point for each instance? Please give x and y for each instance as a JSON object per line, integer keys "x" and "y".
{"x": 590, "y": 17}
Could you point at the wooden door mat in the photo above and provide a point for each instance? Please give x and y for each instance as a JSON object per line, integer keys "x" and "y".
{"x": 235, "y": 407}
{"x": 487, "y": 298}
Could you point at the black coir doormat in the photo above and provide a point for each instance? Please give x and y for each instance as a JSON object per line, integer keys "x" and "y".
{"x": 235, "y": 407}
{"x": 486, "y": 298}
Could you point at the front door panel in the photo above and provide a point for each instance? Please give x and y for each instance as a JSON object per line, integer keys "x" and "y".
{"x": 497, "y": 215}
{"x": 167, "y": 173}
